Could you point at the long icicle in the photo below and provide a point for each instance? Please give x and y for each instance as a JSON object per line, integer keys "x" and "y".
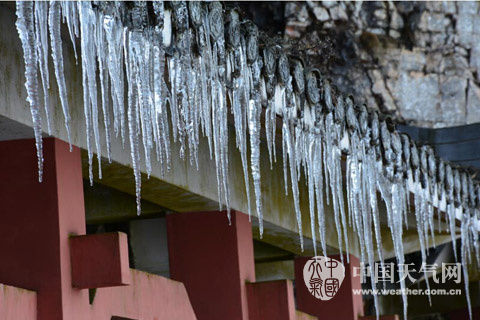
{"x": 25, "y": 26}
{"x": 41, "y": 29}
{"x": 57, "y": 57}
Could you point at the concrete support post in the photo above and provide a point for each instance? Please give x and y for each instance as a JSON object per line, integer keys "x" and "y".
{"x": 214, "y": 260}
{"x": 344, "y": 305}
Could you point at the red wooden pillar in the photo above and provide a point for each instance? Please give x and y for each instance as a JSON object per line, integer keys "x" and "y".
{"x": 214, "y": 260}
{"x": 344, "y": 305}
{"x": 36, "y": 220}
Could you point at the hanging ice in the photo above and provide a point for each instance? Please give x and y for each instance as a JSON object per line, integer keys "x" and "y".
{"x": 41, "y": 29}
{"x": 57, "y": 57}
{"x": 182, "y": 70}
{"x": 239, "y": 95}
{"x": 254, "y": 126}
{"x": 70, "y": 16}
{"x": 25, "y": 27}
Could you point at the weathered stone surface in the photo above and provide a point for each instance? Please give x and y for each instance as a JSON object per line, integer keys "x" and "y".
{"x": 412, "y": 61}
{"x": 464, "y": 27}
{"x": 448, "y": 7}
{"x": 433, "y": 62}
{"x": 321, "y": 13}
{"x": 438, "y": 40}
{"x": 380, "y": 14}
{"x": 434, "y": 22}
{"x": 475, "y": 57}
{"x": 377, "y": 31}
{"x": 422, "y": 39}
{"x": 329, "y": 4}
{"x": 338, "y": 13}
{"x": 378, "y": 88}
{"x": 394, "y": 34}
{"x": 467, "y": 7}
{"x": 434, "y": 6}
{"x": 453, "y": 99}
{"x": 418, "y": 60}
{"x": 299, "y": 10}
{"x": 405, "y": 7}
{"x": 417, "y": 96}
{"x": 396, "y": 20}
{"x": 454, "y": 65}
{"x": 473, "y": 103}
{"x": 461, "y": 51}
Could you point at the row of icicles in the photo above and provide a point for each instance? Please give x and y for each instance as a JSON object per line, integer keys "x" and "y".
{"x": 173, "y": 71}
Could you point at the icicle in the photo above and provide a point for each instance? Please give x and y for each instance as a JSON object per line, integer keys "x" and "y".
{"x": 289, "y": 110}
{"x": 70, "y": 16}
{"x": 57, "y": 57}
{"x": 200, "y": 20}
{"x": 268, "y": 132}
{"x": 239, "y": 98}
{"x": 476, "y": 240}
{"x": 101, "y": 46}
{"x": 317, "y": 172}
{"x": 285, "y": 154}
{"x": 372, "y": 193}
{"x": 41, "y": 28}
{"x": 290, "y": 151}
{"x": 114, "y": 35}
{"x": 298, "y": 144}
{"x": 198, "y": 75}
{"x": 336, "y": 179}
{"x": 142, "y": 56}
{"x": 174, "y": 70}
{"x": 87, "y": 28}
{"x": 187, "y": 117}
{"x": 476, "y": 222}
{"x": 367, "y": 234}
{"x": 25, "y": 28}
{"x": 421, "y": 236}
{"x": 332, "y": 165}
{"x": 269, "y": 67}
{"x": 396, "y": 228}
{"x": 161, "y": 128}
{"x": 132, "y": 113}
{"x": 218, "y": 102}
{"x": 353, "y": 194}
{"x": 430, "y": 191}
{"x": 254, "y": 114}
{"x": 254, "y": 128}
{"x": 465, "y": 253}
{"x": 311, "y": 182}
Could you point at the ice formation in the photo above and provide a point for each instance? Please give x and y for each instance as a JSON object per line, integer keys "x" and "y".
{"x": 174, "y": 71}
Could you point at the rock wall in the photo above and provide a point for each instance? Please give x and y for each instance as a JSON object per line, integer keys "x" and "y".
{"x": 418, "y": 61}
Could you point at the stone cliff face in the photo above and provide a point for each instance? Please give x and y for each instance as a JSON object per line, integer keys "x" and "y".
{"x": 417, "y": 61}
